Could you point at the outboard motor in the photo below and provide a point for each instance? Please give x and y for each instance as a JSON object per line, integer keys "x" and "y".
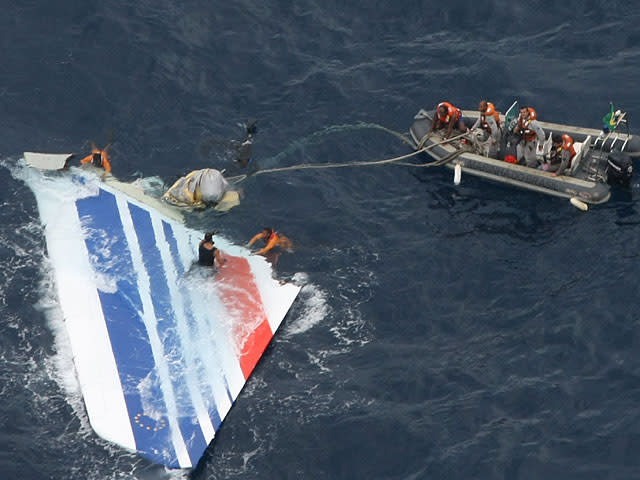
{"x": 619, "y": 168}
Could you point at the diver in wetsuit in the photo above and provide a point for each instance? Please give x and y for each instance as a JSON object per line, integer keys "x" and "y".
{"x": 208, "y": 255}
{"x": 244, "y": 149}
{"x": 241, "y": 151}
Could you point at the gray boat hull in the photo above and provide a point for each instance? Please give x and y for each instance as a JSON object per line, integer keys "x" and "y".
{"x": 587, "y": 179}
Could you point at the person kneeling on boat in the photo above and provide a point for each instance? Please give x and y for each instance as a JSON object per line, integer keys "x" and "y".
{"x": 98, "y": 158}
{"x": 446, "y": 115}
{"x": 560, "y": 156}
{"x": 208, "y": 255}
{"x": 531, "y": 137}
{"x": 489, "y": 123}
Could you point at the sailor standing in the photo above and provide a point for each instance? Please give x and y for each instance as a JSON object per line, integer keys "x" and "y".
{"x": 531, "y": 137}
{"x": 489, "y": 122}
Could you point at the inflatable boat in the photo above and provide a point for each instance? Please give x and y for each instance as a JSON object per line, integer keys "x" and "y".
{"x": 601, "y": 160}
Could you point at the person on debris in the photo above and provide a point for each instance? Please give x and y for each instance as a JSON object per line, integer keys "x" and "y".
{"x": 446, "y": 115}
{"x": 488, "y": 142}
{"x": 271, "y": 239}
{"x": 531, "y": 137}
{"x": 561, "y": 155}
{"x": 98, "y": 158}
{"x": 208, "y": 254}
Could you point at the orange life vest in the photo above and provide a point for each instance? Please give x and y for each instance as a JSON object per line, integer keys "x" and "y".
{"x": 489, "y": 112}
{"x": 452, "y": 112}
{"x": 99, "y": 158}
{"x": 523, "y": 125}
{"x": 567, "y": 144}
{"x": 273, "y": 240}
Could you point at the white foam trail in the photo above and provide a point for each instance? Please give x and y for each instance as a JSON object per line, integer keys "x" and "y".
{"x": 60, "y": 366}
{"x": 310, "y": 309}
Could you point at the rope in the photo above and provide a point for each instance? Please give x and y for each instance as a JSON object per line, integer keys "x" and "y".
{"x": 306, "y": 166}
{"x": 316, "y": 166}
{"x": 435, "y": 163}
{"x": 336, "y": 129}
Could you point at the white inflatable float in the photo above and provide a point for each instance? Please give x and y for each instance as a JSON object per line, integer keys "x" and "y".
{"x": 161, "y": 349}
{"x": 201, "y": 188}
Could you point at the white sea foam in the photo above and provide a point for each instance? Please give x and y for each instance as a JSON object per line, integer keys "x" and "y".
{"x": 153, "y": 186}
{"x": 310, "y": 308}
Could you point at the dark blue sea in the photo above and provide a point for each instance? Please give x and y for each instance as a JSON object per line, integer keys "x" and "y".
{"x": 444, "y": 332}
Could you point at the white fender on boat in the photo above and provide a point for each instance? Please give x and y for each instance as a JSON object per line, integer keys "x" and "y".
{"x": 457, "y": 174}
{"x": 576, "y": 202}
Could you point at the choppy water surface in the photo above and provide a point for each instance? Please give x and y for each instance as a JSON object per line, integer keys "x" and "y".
{"x": 443, "y": 332}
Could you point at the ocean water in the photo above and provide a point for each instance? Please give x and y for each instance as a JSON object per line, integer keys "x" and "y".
{"x": 460, "y": 332}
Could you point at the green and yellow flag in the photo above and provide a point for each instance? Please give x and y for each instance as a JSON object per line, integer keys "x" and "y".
{"x": 609, "y": 120}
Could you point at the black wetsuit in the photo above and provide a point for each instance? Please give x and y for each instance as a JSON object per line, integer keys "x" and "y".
{"x": 206, "y": 256}
{"x": 97, "y": 160}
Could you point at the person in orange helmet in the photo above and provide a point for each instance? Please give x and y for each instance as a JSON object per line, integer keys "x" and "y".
{"x": 271, "y": 239}
{"x": 98, "y": 158}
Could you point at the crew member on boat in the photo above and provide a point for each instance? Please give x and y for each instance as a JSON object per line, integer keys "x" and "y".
{"x": 561, "y": 155}
{"x": 446, "y": 115}
{"x": 531, "y": 137}
{"x": 99, "y": 158}
{"x": 487, "y": 140}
